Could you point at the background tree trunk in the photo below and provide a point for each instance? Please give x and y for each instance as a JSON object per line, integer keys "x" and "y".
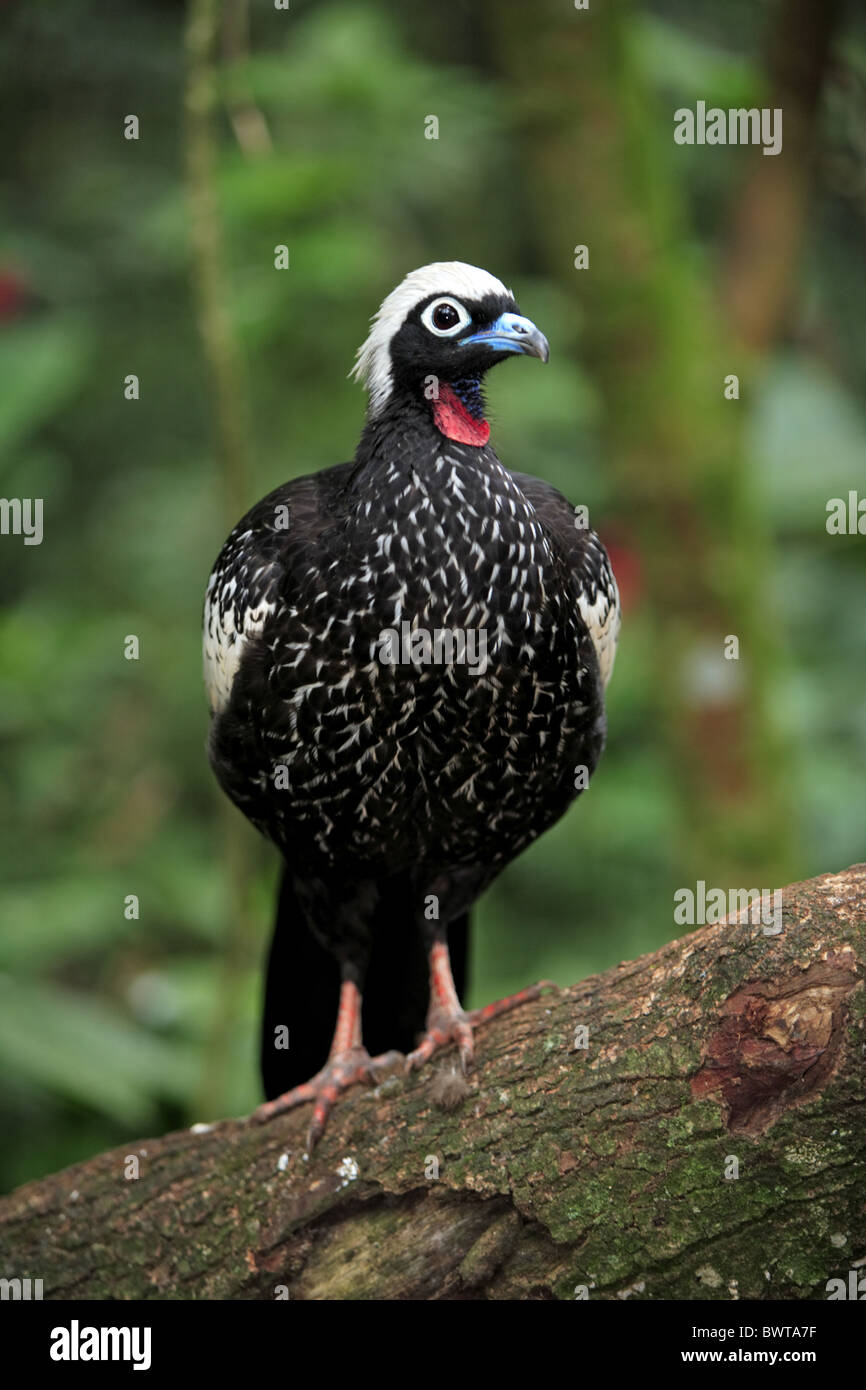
{"x": 609, "y": 1167}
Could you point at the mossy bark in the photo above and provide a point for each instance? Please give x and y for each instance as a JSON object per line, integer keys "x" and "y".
{"x": 608, "y": 1168}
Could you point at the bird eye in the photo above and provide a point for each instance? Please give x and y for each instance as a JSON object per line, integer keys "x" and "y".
{"x": 445, "y": 317}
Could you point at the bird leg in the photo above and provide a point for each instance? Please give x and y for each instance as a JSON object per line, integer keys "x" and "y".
{"x": 348, "y": 1062}
{"x": 447, "y": 1022}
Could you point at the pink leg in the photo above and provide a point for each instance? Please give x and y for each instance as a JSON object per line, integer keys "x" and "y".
{"x": 348, "y": 1062}
{"x": 447, "y": 1022}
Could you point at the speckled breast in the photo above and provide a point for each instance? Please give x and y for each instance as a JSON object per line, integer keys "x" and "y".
{"x": 434, "y": 689}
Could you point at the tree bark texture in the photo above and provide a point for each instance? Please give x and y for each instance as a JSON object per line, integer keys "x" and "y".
{"x": 708, "y": 1141}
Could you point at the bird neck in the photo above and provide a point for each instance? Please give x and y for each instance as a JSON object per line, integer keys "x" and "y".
{"x": 422, "y": 418}
{"x": 458, "y": 412}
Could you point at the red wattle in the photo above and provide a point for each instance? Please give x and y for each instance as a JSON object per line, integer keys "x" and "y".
{"x": 454, "y": 421}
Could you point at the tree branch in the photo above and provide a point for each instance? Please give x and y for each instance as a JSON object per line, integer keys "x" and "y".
{"x": 610, "y": 1168}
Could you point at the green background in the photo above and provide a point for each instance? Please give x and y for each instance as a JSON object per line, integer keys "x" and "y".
{"x": 110, "y": 1027}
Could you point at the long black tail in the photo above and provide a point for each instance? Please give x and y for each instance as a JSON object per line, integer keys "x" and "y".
{"x": 302, "y": 986}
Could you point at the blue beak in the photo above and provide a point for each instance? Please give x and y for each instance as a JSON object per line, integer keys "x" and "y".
{"x": 511, "y": 333}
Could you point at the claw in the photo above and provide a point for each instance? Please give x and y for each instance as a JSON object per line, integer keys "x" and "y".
{"x": 342, "y": 1070}
{"x": 448, "y": 1023}
{"x": 348, "y": 1063}
{"x": 442, "y": 1029}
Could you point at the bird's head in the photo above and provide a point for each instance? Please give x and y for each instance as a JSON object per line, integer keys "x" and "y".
{"x": 433, "y": 339}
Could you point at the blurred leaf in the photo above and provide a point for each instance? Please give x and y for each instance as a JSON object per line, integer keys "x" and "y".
{"x": 83, "y": 1050}
{"x": 41, "y": 364}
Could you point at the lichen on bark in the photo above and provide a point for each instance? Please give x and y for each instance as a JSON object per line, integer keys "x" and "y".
{"x": 605, "y": 1170}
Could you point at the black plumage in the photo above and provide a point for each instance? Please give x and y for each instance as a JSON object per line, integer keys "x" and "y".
{"x": 398, "y": 785}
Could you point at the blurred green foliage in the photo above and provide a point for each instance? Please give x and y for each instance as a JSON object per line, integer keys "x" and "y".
{"x": 108, "y": 1025}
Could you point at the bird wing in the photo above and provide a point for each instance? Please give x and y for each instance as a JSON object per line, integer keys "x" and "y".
{"x": 597, "y": 594}
{"x": 257, "y": 565}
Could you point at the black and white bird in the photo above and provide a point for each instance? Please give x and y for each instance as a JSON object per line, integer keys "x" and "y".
{"x": 405, "y": 657}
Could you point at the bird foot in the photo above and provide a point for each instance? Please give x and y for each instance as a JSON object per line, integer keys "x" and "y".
{"x": 446, "y": 1025}
{"x": 342, "y": 1070}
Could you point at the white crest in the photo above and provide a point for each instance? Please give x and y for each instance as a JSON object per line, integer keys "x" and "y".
{"x": 373, "y": 365}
